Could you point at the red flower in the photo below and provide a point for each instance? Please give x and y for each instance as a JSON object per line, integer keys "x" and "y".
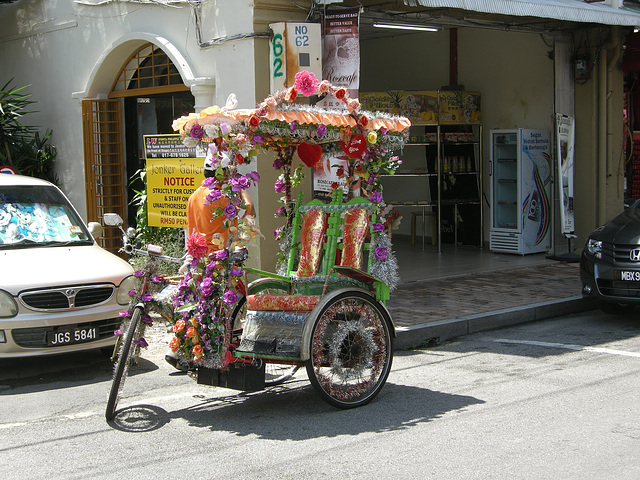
{"x": 334, "y": 185}
{"x": 291, "y": 95}
{"x": 254, "y": 121}
{"x": 363, "y": 121}
{"x": 197, "y": 245}
{"x": 340, "y": 93}
{"x": 239, "y": 159}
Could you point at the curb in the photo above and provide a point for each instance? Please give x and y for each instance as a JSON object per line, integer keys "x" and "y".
{"x": 442, "y": 330}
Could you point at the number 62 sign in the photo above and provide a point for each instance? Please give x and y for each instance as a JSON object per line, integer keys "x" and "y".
{"x": 294, "y": 47}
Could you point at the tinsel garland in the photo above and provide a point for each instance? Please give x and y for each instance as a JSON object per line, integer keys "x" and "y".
{"x": 386, "y": 270}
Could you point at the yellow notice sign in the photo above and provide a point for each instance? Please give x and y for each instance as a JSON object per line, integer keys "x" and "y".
{"x": 174, "y": 171}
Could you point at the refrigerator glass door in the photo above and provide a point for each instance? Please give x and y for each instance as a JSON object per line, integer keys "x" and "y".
{"x": 505, "y": 181}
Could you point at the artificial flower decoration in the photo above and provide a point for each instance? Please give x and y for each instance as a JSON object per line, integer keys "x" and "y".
{"x": 365, "y": 141}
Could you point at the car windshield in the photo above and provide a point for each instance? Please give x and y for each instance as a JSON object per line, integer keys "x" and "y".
{"x": 32, "y": 216}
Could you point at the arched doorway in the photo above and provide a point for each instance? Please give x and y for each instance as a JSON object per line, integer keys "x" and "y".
{"x": 146, "y": 96}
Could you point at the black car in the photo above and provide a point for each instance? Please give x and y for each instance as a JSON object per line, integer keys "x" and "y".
{"x": 610, "y": 262}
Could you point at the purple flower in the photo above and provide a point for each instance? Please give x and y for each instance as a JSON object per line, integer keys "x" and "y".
{"x": 236, "y": 272}
{"x": 142, "y": 342}
{"x": 157, "y": 279}
{"x": 277, "y": 231}
{"x": 229, "y": 297}
{"x": 280, "y": 186}
{"x": 254, "y": 176}
{"x": 147, "y": 297}
{"x": 147, "y": 319}
{"x": 380, "y": 253}
{"x": 230, "y": 212}
{"x": 239, "y": 183}
{"x": 139, "y": 273}
{"x": 293, "y": 126}
{"x": 209, "y": 182}
{"x": 196, "y": 131}
{"x": 322, "y": 131}
{"x": 281, "y": 212}
{"x": 378, "y": 227}
{"x": 124, "y": 313}
{"x": 224, "y": 128}
{"x": 132, "y": 293}
{"x": 212, "y": 196}
{"x": 375, "y": 197}
{"x": 258, "y": 139}
{"x": 117, "y": 332}
{"x": 222, "y": 254}
{"x": 278, "y": 163}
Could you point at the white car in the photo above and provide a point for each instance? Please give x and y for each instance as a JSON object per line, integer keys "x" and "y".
{"x": 59, "y": 290}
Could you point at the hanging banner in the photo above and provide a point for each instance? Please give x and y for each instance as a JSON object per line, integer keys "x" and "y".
{"x": 174, "y": 171}
{"x": 341, "y": 51}
{"x": 340, "y": 66}
{"x": 565, "y": 134}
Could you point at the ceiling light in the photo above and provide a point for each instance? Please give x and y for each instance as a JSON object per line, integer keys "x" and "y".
{"x": 405, "y": 26}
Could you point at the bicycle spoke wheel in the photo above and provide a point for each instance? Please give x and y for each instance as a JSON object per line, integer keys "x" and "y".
{"x": 277, "y": 373}
{"x": 351, "y": 350}
{"x": 125, "y": 358}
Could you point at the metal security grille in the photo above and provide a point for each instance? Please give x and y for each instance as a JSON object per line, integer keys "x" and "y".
{"x": 103, "y": 165}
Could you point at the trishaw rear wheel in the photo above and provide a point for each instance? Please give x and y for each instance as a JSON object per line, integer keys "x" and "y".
{"x": 351, "y": 350}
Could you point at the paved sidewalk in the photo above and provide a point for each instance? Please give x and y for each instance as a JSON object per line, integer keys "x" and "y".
{"x": 440, "y": 309}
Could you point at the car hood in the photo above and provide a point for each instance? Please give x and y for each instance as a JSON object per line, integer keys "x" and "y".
{"x": 29, "y": 268}
{"x": 624, "y": 229}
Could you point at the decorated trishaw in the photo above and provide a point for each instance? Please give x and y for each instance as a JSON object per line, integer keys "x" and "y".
{"x": 323, "y": 307}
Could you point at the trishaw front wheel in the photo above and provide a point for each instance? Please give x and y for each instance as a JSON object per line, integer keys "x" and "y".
{"x": 125, "y": 358}
{"x": 351, "y": 350}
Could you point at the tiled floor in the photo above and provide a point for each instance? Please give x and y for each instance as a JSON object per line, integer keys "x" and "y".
{"x": 418, "y": 264}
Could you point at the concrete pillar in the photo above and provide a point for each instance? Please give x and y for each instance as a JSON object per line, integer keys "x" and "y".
{"x": 203, "y": 95}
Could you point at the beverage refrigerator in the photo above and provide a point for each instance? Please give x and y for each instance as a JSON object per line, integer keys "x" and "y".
{"x": 520, "y": 170}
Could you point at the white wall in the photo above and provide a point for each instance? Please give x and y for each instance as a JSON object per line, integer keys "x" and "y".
{"x": 69, "y": 51}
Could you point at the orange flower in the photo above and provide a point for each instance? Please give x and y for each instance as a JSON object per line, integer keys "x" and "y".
{"x": 197, "y": 350}
{"x": 179, "y": 326}
{"x": 174, "y": 344}
{"x": 192, "y": 332}
{"x": 194, "y": 322}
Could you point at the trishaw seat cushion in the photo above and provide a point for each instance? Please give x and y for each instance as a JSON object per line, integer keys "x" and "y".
{"x": 314, "y": 225}
{"x": 290, "y": 303}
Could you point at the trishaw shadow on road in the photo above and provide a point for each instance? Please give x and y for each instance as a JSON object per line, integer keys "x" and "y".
{"x": 295, "y": 412}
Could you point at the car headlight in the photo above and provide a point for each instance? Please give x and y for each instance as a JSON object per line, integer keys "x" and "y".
{"x": 8, "y": 306}
{"x": 594, "y": 247}
{"x": 128, "y": 284}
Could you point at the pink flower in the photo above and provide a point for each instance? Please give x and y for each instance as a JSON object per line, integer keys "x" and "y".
{"x": 306, "y": 83}
{"x": 324, "y": 86}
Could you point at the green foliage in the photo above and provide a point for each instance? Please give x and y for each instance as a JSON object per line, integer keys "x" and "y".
{"x": 21, "y": 146}
{"x": 170, "y": 239}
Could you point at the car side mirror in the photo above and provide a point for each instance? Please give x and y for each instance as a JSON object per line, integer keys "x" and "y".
{"x": 112, "y": 220}
{"x": 95, "y": 229}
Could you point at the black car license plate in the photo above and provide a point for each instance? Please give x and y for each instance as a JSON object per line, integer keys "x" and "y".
{"x": 69, "y": 336}
{"x": 629, "y": 275}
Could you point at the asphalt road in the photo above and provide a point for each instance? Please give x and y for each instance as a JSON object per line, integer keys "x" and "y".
{"x": 546, "y": 400}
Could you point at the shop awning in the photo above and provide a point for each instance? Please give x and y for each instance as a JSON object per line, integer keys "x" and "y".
{"x": 563, "y": 10}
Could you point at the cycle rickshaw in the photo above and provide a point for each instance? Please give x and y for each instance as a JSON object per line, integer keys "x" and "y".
{"x": 324, "y": 307}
